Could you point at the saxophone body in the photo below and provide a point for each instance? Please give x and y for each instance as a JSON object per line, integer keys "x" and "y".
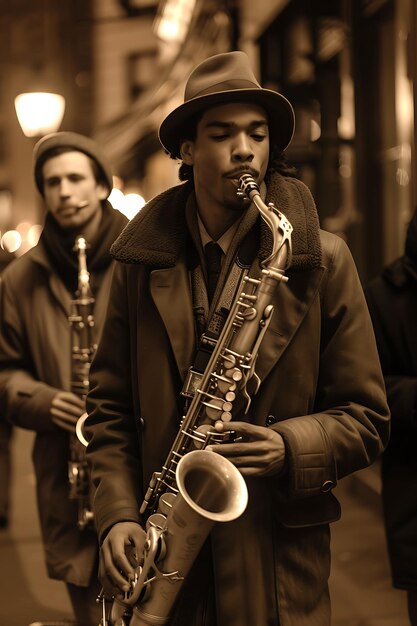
{"x": 83, "y": 347}
{"x": 197, "y": 488}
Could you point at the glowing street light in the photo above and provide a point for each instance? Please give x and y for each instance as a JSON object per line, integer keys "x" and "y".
{"x": 39, "y": 113}
{"x": 173, "y": 20}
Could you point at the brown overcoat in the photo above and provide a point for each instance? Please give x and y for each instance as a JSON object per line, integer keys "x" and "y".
{"x": 35, "y": 363}
{"x": 321, "y": 382}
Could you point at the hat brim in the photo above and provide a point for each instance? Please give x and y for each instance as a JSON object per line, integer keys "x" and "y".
{"x": 281, "y": 118}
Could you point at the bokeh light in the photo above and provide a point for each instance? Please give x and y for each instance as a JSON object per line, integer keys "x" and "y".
{"x": 11, "y": 241}
{"x": 129, "y": 204}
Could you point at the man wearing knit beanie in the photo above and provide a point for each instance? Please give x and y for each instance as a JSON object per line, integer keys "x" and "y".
{"x": 48, "y": 301}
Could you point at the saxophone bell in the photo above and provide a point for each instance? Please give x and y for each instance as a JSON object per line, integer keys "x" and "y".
{"x": 210, "y": 490}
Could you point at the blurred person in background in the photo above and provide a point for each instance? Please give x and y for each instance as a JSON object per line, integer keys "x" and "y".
{"x": 5, "y": 470}
{"x": 37, "y": 367}
{"x": 392, "y": 301}
{"x": 6, "y": 437}
{"x": 321, "y": 410}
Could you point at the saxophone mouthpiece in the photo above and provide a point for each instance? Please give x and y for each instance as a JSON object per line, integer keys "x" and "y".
{"x": 247, "y": 186}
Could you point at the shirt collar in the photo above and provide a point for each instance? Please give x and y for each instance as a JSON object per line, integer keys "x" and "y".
{"x": 224, "y": 241}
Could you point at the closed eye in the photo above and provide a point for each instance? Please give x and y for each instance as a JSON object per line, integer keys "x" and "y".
{"x": 52, "y": 182}
{"x": 221, "y": 137}
{"x": 258, "y": 136}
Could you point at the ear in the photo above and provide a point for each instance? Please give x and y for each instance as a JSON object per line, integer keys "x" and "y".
{"x": 187, "y": 152}
{"x": 102, "y": 191}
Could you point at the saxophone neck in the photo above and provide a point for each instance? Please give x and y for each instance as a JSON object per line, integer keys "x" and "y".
{"x": 81, "y": 247}
{"x": 280, "y": 227}
{"x": 281, "y": 255}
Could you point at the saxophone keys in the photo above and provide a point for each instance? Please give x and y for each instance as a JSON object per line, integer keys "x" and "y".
{"x": 226, "y": 416}
{"x": 204, "y": 431}
{"x": 156, "y": 520}
{"x": 166, "y": 502}
{"x": 268, "y": 311}
{"x": 223, "y": 385}
{"x": 155, "y": 545}
{"x": 249, "y": 314}
{"x": 237, "y": 375}
{"x": 227, "y": 387}
{"x": 229, "y": 361}
{"x": 213, "y": 408}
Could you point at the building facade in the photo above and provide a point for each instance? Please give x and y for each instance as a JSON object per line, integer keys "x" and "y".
{"x": 348, "y": 67}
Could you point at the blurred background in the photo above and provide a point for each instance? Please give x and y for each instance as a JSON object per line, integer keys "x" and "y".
{"x": 348, "y": 67}
{"x": 115, "y": 69}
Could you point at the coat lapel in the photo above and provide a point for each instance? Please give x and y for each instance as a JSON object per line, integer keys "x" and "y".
{"x": 291, "y": 303}
{"x": 61, "y": 295}
{"x": 171, "y": 293}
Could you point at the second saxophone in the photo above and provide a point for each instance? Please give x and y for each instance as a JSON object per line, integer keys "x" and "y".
{"x": 82, "y": 350}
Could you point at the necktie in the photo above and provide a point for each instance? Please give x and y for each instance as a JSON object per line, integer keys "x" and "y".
{"x": 214, "y": 255}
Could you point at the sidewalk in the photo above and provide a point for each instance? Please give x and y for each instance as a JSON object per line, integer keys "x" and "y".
{"x": 26, "y": 593}
{"x": 360, "y": 583}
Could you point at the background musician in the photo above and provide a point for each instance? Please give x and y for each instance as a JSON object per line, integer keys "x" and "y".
{"x": 392, "y": 301}
{"x": 36, "y": 367}
{"x": 321, "y": 411}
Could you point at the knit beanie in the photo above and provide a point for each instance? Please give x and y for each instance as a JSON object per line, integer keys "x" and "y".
{"x": 67, "y": 139}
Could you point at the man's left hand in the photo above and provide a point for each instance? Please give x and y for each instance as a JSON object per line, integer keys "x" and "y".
{"x": 261, "y": 451}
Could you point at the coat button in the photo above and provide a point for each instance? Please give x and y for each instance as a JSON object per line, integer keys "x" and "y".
{"x": 271, "y": 419}
{"x": 327, "y": 486}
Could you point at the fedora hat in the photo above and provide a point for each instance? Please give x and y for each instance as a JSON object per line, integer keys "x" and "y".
{"x": 221, "y": 79}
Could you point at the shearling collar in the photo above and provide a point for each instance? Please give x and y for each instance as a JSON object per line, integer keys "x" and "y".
{"x": 157, "y": 235}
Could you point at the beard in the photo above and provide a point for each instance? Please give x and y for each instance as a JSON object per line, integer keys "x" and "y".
{"x": 238, "y": 204}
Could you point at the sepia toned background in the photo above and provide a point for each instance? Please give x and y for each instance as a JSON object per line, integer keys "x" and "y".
{"x": 349, "y": 67}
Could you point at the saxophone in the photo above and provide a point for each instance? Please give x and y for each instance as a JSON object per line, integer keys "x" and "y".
{"x": 197, "y": 488}
{"x": 81, "y": 322}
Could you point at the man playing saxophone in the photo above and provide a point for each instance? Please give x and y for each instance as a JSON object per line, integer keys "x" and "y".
{"x": 319, "y": 414}
{"x": 37, "y": 385}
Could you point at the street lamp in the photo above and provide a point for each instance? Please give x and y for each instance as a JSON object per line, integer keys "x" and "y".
{"x": 39, "y": 113}
{"x": 173, "y": 20}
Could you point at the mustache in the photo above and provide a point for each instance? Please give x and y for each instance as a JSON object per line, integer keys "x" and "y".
{"x": 77, "y": 207}
{"x": 239, "y": 171}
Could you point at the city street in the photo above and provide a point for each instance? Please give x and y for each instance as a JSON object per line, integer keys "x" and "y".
{"x": 360, "y": 584}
